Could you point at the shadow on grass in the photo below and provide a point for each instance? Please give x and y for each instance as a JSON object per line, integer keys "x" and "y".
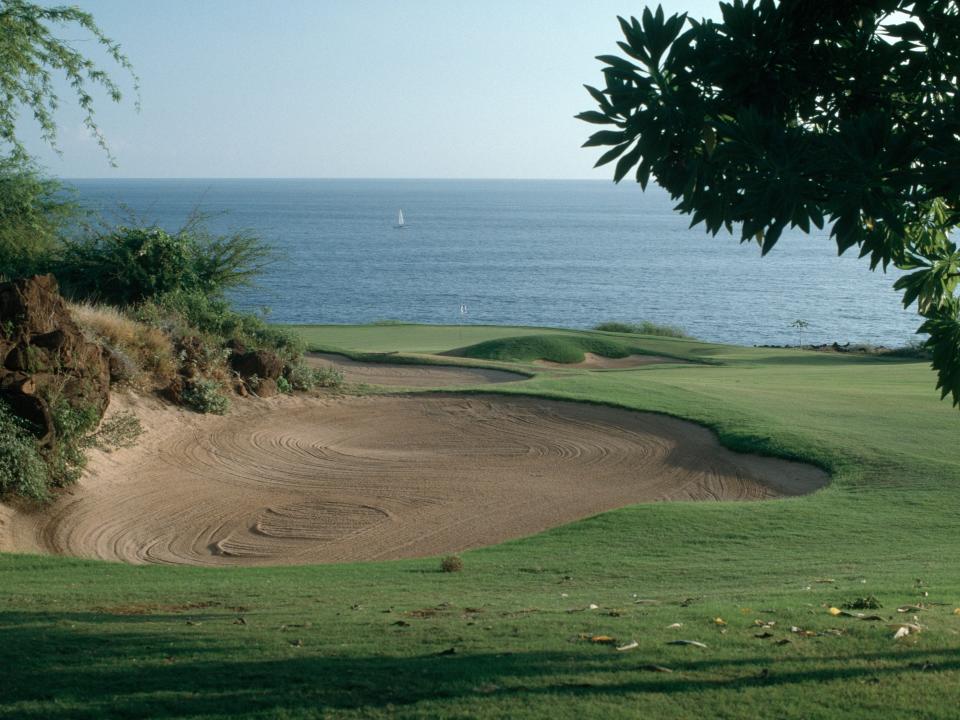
{"x": 93, "y": 665}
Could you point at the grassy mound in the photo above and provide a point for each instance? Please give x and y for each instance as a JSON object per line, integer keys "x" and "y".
{"x": 644, "y": 327}
{"x": 565, "y": 349}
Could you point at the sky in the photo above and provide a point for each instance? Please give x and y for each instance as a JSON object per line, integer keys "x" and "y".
{"x": 345, "y": 88}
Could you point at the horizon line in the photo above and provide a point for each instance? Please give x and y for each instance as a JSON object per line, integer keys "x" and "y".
{"x": 310, "y": 177}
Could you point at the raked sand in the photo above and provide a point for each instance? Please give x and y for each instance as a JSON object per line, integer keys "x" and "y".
{"x": 305, "y": 480}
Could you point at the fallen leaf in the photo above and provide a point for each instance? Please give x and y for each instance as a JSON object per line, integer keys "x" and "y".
{"x": 675, "y": 626}
{"x": 592, "y": 606}
{"x": 719, "y": 621}
{"x": 633, "y": 644}
{"x": 904, "y": 629}
{"x": 835, "y": 611}
{"x": 956, "y": 611}
{"x": 695, "y": 643}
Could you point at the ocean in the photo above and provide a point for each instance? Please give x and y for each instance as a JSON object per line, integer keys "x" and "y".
{"x": 519, "y": 252}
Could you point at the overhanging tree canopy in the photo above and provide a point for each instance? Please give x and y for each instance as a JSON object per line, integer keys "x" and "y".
{"x": 31, "y": 54}
{"x": 805, "y": 113}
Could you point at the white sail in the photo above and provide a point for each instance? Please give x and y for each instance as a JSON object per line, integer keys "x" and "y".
{"x": 400, "y": 218}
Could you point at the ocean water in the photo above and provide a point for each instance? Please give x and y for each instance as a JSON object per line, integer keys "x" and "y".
{"x": 549, "y": 253}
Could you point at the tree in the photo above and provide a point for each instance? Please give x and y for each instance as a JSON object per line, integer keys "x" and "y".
{"x": 35, "y": 211}
{"x": 800, "y": 325}
{"x": 30, "y": 54}
{"x": 800, "y": 114}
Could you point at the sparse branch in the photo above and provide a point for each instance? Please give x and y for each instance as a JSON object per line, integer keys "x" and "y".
{"x": 31, "y": 54}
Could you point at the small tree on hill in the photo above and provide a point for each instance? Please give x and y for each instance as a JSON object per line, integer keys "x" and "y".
{"x": 800, "y": 325}
{"x": 800, "y": 114}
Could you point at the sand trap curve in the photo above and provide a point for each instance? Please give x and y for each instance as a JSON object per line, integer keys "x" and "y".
{"x": 593, "y": 361}
{"x": 309, "y": 481}
{"x": 409, "y": 375}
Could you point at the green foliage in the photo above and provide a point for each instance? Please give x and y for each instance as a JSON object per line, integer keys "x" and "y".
{"x": 451, "y": 564}
{"x": 74, "y": 427}
{"x": 34, "y": 212}
{"x": 868, "y": 602}
{"x": 302, "y": 377}
{"x": 31, "y": 52}
{"x": 205, "y": 396}
{"x": 642, "y": 328}
{"x": 129, "y": 266}
{"x": 22, "y": 468}
{"x": 120, "y": 431}
{"x": 786, "y": 115}
{"x": 284, "y": 386}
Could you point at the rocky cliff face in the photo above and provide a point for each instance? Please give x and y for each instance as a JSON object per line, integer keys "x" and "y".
{"x": 44, "y": 357}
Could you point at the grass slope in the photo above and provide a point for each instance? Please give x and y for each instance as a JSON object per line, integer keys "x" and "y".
{"x": 556, "y": 347}
{"x": 88, "y": 639}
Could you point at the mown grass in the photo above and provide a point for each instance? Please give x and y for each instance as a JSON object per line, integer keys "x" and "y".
{"x": 89, "y": 639}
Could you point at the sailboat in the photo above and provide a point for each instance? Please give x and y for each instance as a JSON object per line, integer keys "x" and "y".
{"x": 400, "y": 224}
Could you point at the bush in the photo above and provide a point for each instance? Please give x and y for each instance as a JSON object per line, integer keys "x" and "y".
{"x": 204, "y": 396}
{"x": 283, "y": 385}
{"x": 451, "y": 563}
{"x": 131, "y": 265}
{"x": 301, "y": 377}
{"x": 22, "y": 468}
{"x": 35, "y": 211}
{"x": 74, "y": 427}
{"x": 642, "y": 328}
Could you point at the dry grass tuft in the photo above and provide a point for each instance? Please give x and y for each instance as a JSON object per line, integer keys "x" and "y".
{"x": 147, "y": 351}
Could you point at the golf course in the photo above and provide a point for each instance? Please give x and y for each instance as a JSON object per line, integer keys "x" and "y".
{"x": 667, "y": 528}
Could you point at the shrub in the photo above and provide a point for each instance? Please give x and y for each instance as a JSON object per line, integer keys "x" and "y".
{"x": 35, "y": 212}
{"x": 283, "y": 385}
{"x": 204, "y": 396}
{"x": 863, "y": 603}
{"x": 302, "y": 377}
{"x": 130, "y": 265}
{"x": 451, "y": 563}
{"x": 642, "y": 328}
{"x": 22, "y": 468}
{"x": 73, "y": 427}
{"x": 119, "y": 431}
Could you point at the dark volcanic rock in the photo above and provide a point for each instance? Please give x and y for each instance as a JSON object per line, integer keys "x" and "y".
{"x": 45, "y": 356}
{"x": 262, "y": 363}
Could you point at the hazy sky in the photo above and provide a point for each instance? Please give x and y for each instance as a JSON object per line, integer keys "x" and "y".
{"x": 348, "y": 88}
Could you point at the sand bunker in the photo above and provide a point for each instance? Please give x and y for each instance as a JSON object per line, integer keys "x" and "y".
{"x": 599, "y": 362}
{"x": 409, "y": 375}
{"x": 306, "y": 481}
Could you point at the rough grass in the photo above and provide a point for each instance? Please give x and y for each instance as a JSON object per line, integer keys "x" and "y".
{"x": 556, "y": 347}
{"x": 511, "y": 635}
{"x": 148, "y": 350}
{"x": 642, "y": 328}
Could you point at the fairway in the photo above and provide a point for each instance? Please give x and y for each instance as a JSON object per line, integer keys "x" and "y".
{"x": 534, "y": 623}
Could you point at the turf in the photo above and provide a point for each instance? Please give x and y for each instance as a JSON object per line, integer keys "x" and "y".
{"x": 509, "y": 636}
